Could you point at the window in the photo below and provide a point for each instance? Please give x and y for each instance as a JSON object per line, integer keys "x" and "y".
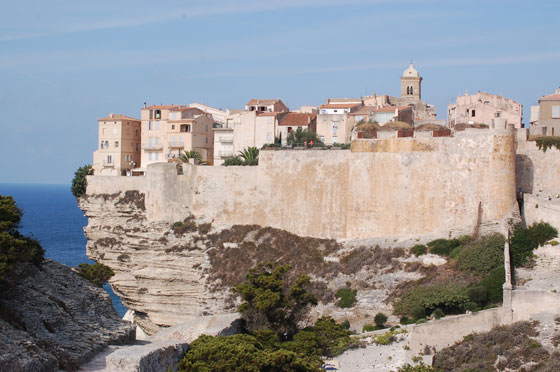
{"x": 109, "y": 159}
{"x": 556, "y": 112}
{"x": 335, "y": 130}
{"x": 335, "y": 140}
{"x": 157, "y": 114}
{"x": 150, "y": 125}
{"x": 407, "y": 90}
{"x": 150, "y": 142}
{"x": 157, "y": 140}
{"x": 173, "y": 126}
{"x": 206, "y": 139}
{"x": 106, "y": 144}
{"x": 411, "y": 90}
{"x": 127, "y": 157}
{"x": 157, "y": 125}
{"x": 101, "y": 145}
{"x": 116, "y": 144}
{"x": 137, "y": 147}
{"x": 149, "y": 156}
{"x": 172, "y": 140}
{"x": 137, "y": 132}
{"x": 497, "y": 115}
{"x": 473, "y": 113}
{"x": 157, "y": 155}
{"x": 322, "y": 138}
{"x": 335, "y": 110}
{"x": 115, "y": 131}
{"x": 207, "y": 127}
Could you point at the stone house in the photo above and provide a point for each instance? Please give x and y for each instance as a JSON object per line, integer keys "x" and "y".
{"x": 549, "y": 115}
{"x": 484, "y": 108}
{"x": 119, "y": 145}
{"x": 291, "y": 121}
{"x": 170, "y": 130}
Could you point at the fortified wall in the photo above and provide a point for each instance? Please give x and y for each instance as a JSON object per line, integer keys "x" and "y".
{"x": 396, "y": 187}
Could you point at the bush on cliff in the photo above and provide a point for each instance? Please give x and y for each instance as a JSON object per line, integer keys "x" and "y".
{"x": 525, "y": 240}
{"x": 482, "y": 255}
{"x": 443, "y": 247}
{"x": 97, "y": 273}
{"x": 346, "y": 297}
{"x": 270, "y": 301}
{"x": 450, "y": 297}
{"x": 79, "y": 183}
{"x": 15, "y": 247}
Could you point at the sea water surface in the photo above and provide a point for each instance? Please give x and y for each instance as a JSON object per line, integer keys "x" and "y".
{"x": 51, "y": 215}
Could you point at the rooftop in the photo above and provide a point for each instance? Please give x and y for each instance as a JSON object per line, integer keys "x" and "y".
{"x": 551, "y": 97}
{"x": 297, "y": 119}
{"x": 340, "y": 105}
{"x": 263, "y": 102}
{"x": 162, "y": 107}
{"x": 117, "y": 117}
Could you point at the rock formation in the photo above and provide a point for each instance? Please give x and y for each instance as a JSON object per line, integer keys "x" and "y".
{"x": 52, "y": 319}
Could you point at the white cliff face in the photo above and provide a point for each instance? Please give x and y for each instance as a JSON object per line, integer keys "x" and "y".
{"x": 172, "y": 274}
{"x": 156, "y": 273}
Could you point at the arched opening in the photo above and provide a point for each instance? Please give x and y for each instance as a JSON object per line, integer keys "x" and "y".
{"x": 411, "y": 90}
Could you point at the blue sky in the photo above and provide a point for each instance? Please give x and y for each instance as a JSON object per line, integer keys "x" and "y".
{"x": 65, "y": 63}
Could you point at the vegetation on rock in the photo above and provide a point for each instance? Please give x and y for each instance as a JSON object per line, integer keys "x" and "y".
{"x": 346, "y": 296}
{"x": 525, "y": 240}
{"x": 97, "y": 273}
{"x": 79, "y": 183}
{"x": 507, "y": 348}
{"x": 273, "y": 302}
{"x": 546, "y": 142}
{"x": 14, "y": 247}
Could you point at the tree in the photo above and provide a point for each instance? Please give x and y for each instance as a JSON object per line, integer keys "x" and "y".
{"x": 299, "y": 136}
{"x": 79, "y": 183}
{"x": 380, "y": 320}
{"x": 97, "y": 273}
{"x": 271, "y": 302}
{"x": 187, "y": 155}
{"x": 15, "y": 247}
{"x": 250, "y": 156}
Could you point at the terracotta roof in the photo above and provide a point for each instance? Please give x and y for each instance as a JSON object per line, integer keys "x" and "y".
{"x": 297, "y": 119}
{"x": 340, "y": 105}
{"x": 343, "y": 100}
{"x": 161, "y": 107}
{"x": 262, "y": 102}
{"x": 551, "y": 97}
{"x": 117, "y": 117}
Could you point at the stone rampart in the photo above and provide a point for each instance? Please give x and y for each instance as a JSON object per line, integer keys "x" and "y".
{"x": 388, "y": 187}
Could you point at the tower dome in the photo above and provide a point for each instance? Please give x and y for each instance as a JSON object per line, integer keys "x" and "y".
{"x": 410, "y": 71}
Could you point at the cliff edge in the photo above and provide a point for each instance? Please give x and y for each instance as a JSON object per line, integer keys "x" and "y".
{"x": 52, "y": 319}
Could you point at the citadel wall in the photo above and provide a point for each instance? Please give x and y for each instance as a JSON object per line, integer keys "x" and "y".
{"x": 389, "y": 187}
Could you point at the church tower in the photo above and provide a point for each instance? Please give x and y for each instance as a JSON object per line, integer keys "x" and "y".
{"x": 411, "y": 85}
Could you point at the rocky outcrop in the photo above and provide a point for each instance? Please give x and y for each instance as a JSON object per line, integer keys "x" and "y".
{"x": 52, "y": 319}
{"x": 173, "y": 273}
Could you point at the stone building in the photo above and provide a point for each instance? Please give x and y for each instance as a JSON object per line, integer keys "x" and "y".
{"x": 334, "y": 123}
{"x": 218, "y": 115}
{"x": 548, "y": 112}
{"x": 484, "y": 108}
{"x": 411, "y": 95}
{"x": 383, "y": 115}
{"x": 291, "y": 121}
{"x": 170, "y": 130}
{"x": 119, "y": 145}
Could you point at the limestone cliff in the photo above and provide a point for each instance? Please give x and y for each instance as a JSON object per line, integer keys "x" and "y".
{"x": 52, "y": 319}
{"x": 171, "y": 273}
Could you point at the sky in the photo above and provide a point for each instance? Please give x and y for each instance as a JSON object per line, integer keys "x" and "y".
{"x": 66, "y": 63}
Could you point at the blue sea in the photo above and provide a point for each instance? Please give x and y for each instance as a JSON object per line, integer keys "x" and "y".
{"x": 51, "y": 215}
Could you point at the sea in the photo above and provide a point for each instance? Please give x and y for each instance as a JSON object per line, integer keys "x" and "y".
{"x": 51, "y": 215}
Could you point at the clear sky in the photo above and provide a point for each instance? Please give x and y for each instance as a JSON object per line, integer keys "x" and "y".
{"x": 66, "y": 63}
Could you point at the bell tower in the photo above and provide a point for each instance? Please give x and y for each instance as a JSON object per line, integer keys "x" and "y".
{"x": 411, "y": 84}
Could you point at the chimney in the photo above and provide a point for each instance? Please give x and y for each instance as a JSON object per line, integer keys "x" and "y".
{"x": 144, "y": 104}
{"x": 111, "y": 115}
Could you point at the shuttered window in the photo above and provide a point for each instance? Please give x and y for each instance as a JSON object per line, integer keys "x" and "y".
{"x": 556, "y": 112}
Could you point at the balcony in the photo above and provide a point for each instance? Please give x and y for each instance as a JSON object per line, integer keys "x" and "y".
{"x": 152, "y": 147}
{"x": 225, "y": 139}
{"x": 174, "y": 145}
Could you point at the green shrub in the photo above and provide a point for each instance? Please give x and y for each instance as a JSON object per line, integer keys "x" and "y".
{"x": 387, "y": 338}
{"x": 421, "y": 321}
{"x": 438, "y": 313}
{"x": 456, "y": 252}
{"x": 443, "y": 247}
{"x": 368, "y": 328}
{"x": 404, "y": 320}
{"x": 346, "y": 296}
{"x": 493, "y": 284}
{"x": 418, "y": 368}
{"x": 450, "y": 297}
{"x": 181, "y": 228}
{"x": 546, "y": 142}
{"x": 418, "y": 312}
{"x": 554, "y": 243}
{"x": 14, "y": 247}
{"x": 97, "y": 273}
{"x": 79, "y": 183}
{"x": 482, "y": 255}
{"x": 345, "y": 324}
{"x": 472, "y": 306}
{"x": 478, "y": 294}
{"x": 525, "y": 240}
{"x": 419, "y": 249}
{"x": 380, "y": 320}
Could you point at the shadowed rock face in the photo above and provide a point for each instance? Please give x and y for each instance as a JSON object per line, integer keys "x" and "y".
{"x": 52, "y": 319}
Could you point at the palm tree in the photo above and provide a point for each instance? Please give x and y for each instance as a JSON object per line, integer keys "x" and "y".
{"x": 250, "y": 155}
{"x": 184, "y": 158}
